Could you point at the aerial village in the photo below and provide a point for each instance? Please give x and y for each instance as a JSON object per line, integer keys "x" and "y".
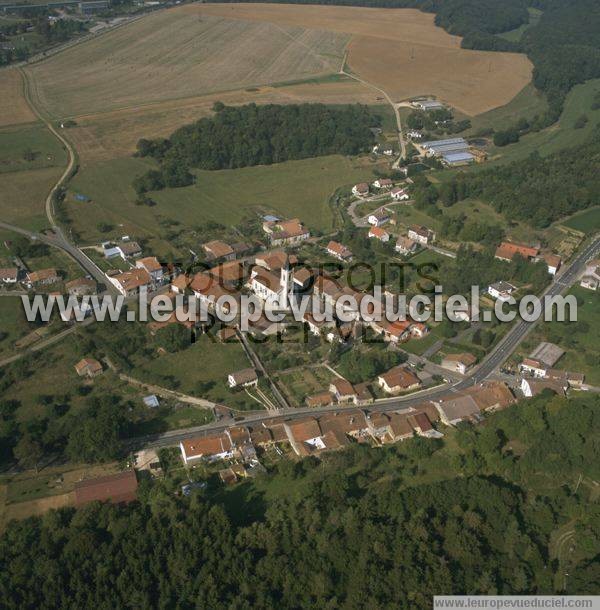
{"x": 280, "y": 264}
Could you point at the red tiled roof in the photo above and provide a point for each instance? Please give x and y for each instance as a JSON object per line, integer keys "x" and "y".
{"x": 115, "y": 488}
{"x": 506, "y": 250}
{"x": 399, "y": 377}
{"x": 206, "y": 445}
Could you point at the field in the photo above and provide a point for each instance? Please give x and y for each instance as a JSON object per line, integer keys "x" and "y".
{"x": 43, "y": 148}
{"x": 105, "y": 135}
{"x": 23, "y": 194}
{"x": 175, "y": 54}
{"x": 199, "y": 49}
{"x": 403, "y": 52}
{"x": 586, "y": 222}
{"x": 14, "y": 107}
{"x": 295, "y": 188}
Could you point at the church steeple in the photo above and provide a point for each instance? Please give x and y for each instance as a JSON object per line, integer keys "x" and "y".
{"x": 285, "y": 283}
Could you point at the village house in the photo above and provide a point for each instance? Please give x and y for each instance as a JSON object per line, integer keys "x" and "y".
{"x": 218, "y": 250}
{"x": 244, "y": 378}
{"x": 285, "y": 232}
{"x": 529, "y": 366}
{"x": 379, "y": 233}
{"x": 88, "y": 367}
{"x": 383, "y": 183}
{"x": 129, "y": 249}
{"x": 80, "y": 287}
{"x": 378, "y": 218}
{"x": 322, "y": 399}
{"x": 129, "y": 283}
{"x": 151, "y": 265}
{"x": 533, "y": 387}
{"x": 591, "y": 277}
{"x": 501, "y": 291}
{"x": 458, "y": 363}
{"x": 342, "y": 390}
{"x": 275, "y": 260}
{"x": 360, "y": 190}
{"x": 181, "y": 283}
{"x": 304, "y": 436}
{"x": 405, "y": 245}
{"x": 395, "y": 332}
{"x": 507, "y": 250}
{"x": 399, "y": 194}
{"x": 43, "y": 277}
{"x": 351, "y": 422}
{"x": 421, "y": 234}
{"x": 9, "y": 275}
{"x": 398, "y": 379}
{"x": 458, "y": 407}
{"x": 211, "y": 448}
{"x": 302, "y": 279}
{"x": 229, "y": 275}
{"x": 317, "y": 326}
{"x": 422, "y": 426}
{"x": 553, "y": 262}
{"x": 339, "y": 251}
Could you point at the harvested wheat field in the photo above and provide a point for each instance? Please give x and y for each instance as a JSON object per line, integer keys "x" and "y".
{"x": 15, "y": 109}
{"x": 402, "y": 52}
{"x": 173, "y": 54}
{"x": 106, "y": 135}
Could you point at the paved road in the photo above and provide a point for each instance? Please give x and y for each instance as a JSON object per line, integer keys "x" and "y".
{"x": 487, "y": 369}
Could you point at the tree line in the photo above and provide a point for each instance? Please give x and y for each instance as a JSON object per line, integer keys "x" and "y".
{"x": 475, "y": 515}
{"x": 256, "y": 135}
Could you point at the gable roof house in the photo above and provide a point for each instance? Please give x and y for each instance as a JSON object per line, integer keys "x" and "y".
{"x": 217, "y": 249}
{"x": 553, "y": 262}
{"x": 304, "y": 435}
{"x": 343, "y": 390}
{"x": 398, "y": 379}
{"x": 43, "y": 277}
{"x": 339, "y": 251}
{"x": 212, "y": 447}
{"x": 405, "y": 245}
{"x": 383, "y": 183}
{"x": 275, "y": 260}
{"x": 244, "y": 378}
{"x": 151, "y": 265}
{"x": 80, "y": 286}
{"x": 456, "y": 408}
{"x": 399, "y": 194}
{"x": 129, "y": 249}
{"x": 501, "y": 291}
{"x": 421, "y": 234}
{"x": 284, "y": 232}
{"x": 507, "y": 250}
{"x": 130, "y": 282}
{"x": 533, "y": 387}
{"x": 9, "y": 276}
{"x": 361, "y": 189}
{"x": 378, "y": 218}
{"x": 379, "y": 233}
{"x": 89, "y": 367}
{"x": 459, "y": 363}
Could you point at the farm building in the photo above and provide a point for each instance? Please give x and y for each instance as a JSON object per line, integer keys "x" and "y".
{"x": 456, "y": 159}
{"x": 428, "y": 105}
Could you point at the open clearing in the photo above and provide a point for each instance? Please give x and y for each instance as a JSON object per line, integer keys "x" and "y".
{"x": 403, "y": 52}
{"x": 15, "y": 109}
{"x": 172, "y": 54}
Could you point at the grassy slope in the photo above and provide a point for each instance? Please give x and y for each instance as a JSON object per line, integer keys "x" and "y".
{"x": 295, "y": 188}
{"x": 14, "y": 141}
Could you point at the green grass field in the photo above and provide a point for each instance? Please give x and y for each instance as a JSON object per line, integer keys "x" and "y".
{"x": 295, "y": 188}
{"x": 13, "y": 325}
{"x": 561, "y": 135}
{"x": 515, "y": 35}
{"x": 205, "y": 361}
{"x": 586, "y": 222}
{"x": 15, "y": 142}
{"x": 23, "y": 195}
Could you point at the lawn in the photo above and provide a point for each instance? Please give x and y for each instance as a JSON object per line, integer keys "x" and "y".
{"x": 43, "y": 148}
{"x": 295, "y": 188}
{"x": 23, "y": 196}
{"x": 194, "y": 369}
{"x": 586, "y": 222}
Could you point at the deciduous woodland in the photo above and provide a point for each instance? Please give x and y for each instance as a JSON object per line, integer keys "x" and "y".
{"x": 419, "y": 518}
{"x": 256, "y": 135}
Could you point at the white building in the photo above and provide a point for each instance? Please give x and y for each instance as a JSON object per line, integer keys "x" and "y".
{"x": 501, "y": 291}
{"x": 420, "y": 234}
{"x": 399, "y": 194}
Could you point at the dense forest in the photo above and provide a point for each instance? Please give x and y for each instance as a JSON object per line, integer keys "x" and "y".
{"x": 475, "y": 515}
{"x": 256, "y": 135}
{"x": 538, "y": 190}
